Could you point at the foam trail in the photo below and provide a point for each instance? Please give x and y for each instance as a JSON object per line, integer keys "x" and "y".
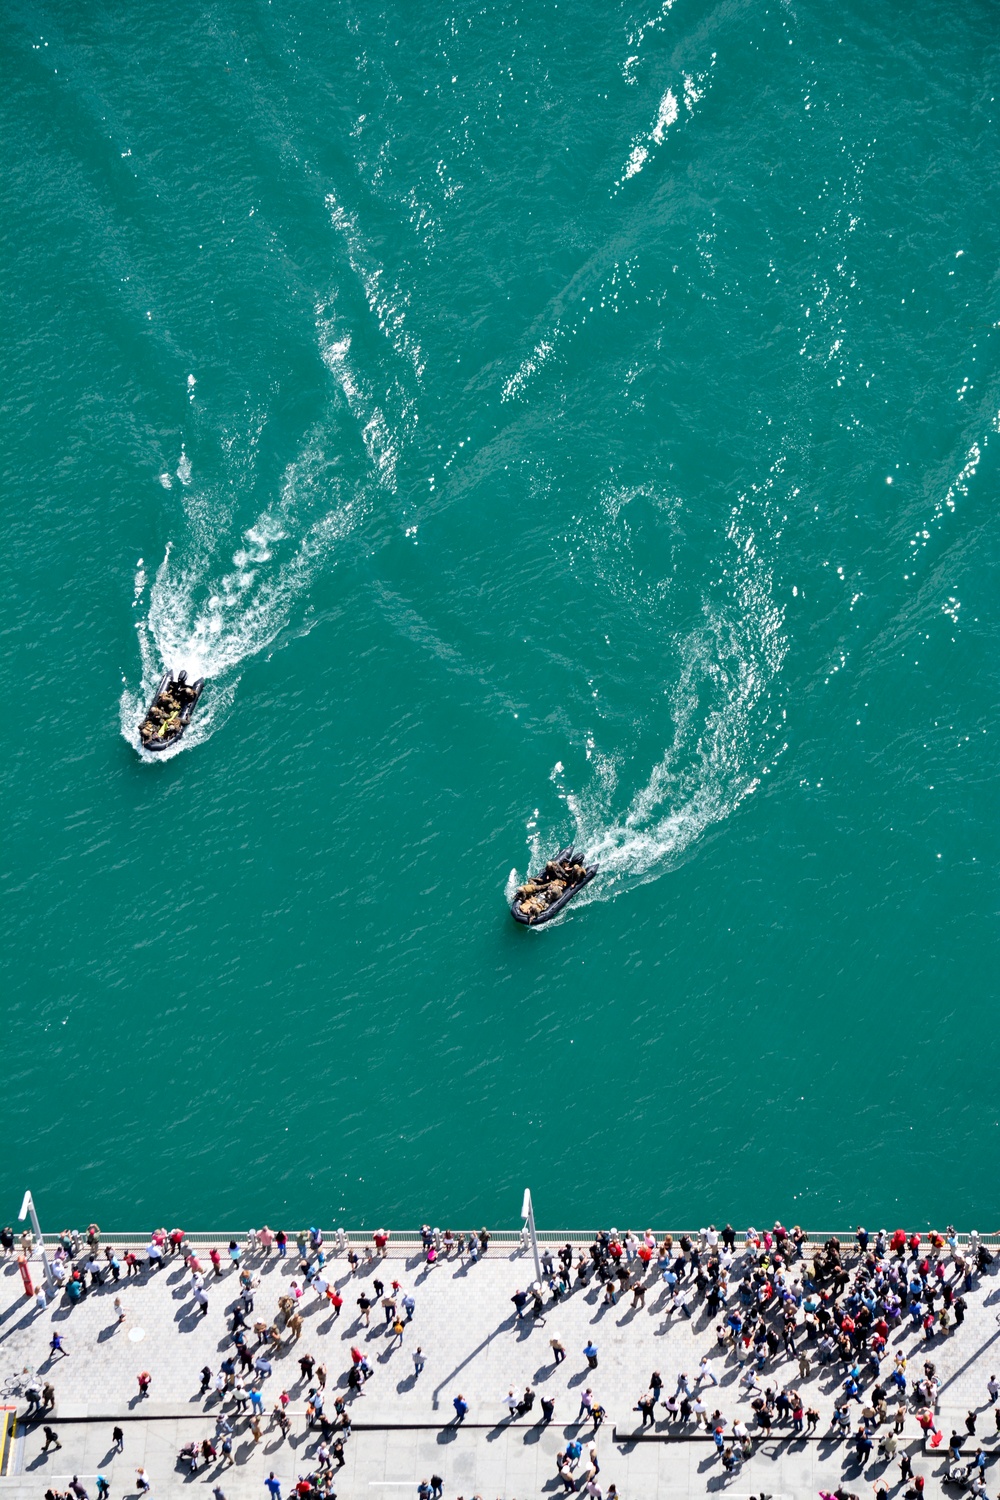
{"x": 208, "y": 621}
{"x": 719, "y": 745}
{"x": 208, "y": 613}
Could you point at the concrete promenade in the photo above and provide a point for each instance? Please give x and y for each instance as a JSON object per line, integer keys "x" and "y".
{"x": 474, "y": 1345}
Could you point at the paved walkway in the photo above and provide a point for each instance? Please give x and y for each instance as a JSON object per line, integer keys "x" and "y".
{"x": 474, "y": 1345}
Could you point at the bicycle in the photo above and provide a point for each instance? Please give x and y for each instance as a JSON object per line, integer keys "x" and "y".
{"x": 17, "y": 1383}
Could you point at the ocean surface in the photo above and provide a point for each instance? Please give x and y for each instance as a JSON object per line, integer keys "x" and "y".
{"x": 549, "y": 422}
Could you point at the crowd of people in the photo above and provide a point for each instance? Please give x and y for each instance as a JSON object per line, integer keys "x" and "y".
{"x": 783, "y": 1310}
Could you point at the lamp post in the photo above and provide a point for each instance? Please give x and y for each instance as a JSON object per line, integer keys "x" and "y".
{"x": 528, "y": 1214}
{"x": 28, "y": 1207}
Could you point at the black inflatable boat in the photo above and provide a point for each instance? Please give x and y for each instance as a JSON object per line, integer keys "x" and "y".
{"x": 170, "y": 712}
{"x": 542, "y": 896}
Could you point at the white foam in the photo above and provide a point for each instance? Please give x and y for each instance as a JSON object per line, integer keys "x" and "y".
{"x": 667, "y": 114}
{"x": 207, "y": 617}
{"x": 719, "y": 706}
{"x": 380, "y": 436}
{"x": 515, "y": 385}
{"x": 388, "y": 303}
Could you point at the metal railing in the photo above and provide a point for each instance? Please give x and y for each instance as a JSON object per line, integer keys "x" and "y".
{"x": 400, "y": 1241}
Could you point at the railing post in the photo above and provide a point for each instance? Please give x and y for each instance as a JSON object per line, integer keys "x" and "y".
{"x": 528, "y": 1214}
{"x": 28, "y": 1207}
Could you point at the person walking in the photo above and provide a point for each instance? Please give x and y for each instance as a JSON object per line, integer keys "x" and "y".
{"x": 418, "y": 1360}
{"x": 144, "y": 1379}
{"x": 558, "y": 1350}
{"x": 461, "y": 1408}
{"x": 56, "y": 1346}
{"x": 103, "y": 1488}
{"x": 273, "y": 1486}
{"x": 993, "y": 1387}
{"x": 118, "y": 1439}
{"x": 142, "y": 1483}
{"x": 51, "y": 1439}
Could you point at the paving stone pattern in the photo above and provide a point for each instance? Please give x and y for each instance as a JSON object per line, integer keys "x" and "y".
{"x": 474, "y": 1344}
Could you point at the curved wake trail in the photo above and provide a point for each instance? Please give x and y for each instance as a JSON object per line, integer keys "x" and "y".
{"x": 723, "y": 727}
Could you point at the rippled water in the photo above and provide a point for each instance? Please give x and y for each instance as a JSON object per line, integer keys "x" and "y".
{"x": 564, "y": 423}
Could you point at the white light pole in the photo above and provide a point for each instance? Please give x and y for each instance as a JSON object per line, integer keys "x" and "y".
{"x": 528, "y": 1214}
{"x": 28, "y": 1207}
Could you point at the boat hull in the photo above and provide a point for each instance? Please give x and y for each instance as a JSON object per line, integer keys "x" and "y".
{"x": 539, "y": 919}
{"x": 551, "y": 911}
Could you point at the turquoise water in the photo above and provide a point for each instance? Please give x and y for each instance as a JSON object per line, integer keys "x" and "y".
{"x": 569, "y": 421}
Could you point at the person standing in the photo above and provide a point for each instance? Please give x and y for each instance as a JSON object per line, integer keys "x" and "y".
{"x": 144, "y": 1379}
{"x": 273, "y": 1485}
{"x": 590, "y": 1353}
{"x": 645, "y": 1405}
